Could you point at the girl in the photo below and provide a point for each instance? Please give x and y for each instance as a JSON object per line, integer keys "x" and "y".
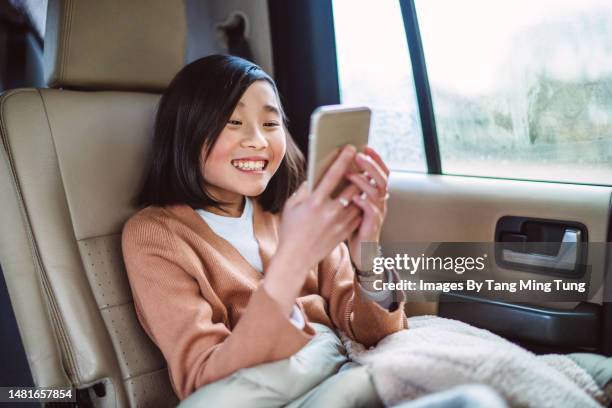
{"x": 232, "y": 262}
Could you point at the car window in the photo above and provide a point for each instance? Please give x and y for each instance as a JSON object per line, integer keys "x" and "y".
{"x": 521, "y": 89}
{"x": 374, "y": 69}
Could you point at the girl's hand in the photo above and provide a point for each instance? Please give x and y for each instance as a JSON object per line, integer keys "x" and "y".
{"x": 312, "y": 225}
{"x": 373, "y": 182}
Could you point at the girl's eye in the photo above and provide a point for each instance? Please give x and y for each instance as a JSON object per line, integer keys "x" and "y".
{"x": 271, "y": 124}
{"x": 234, "y": 122}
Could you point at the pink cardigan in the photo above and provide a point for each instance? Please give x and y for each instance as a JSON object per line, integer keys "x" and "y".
{"x": 204, "y": 306}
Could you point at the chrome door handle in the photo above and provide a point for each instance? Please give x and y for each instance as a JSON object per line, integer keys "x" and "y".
{"x": 565, "y": 259}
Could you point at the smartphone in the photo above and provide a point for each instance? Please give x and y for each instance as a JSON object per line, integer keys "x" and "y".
{"x": 331, "y": 128}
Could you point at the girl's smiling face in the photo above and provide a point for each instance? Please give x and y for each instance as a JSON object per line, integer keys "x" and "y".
{"x": 249, "y": 149}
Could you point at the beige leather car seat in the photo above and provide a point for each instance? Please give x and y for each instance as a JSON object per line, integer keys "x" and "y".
{"x": 72, "y": 157}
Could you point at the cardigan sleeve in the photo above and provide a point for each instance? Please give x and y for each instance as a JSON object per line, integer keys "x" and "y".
{"x": 198, "y": 347}
{"x": 351, "y": 311}
{"x": 386, "y": 298}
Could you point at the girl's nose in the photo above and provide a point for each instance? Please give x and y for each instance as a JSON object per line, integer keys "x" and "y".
{"x": 254, "y": 138}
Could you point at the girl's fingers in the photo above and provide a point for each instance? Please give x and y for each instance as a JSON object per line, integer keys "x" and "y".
{"x": 364, "y": 185}
{"x": 376, "y": 157}
{"x": 350, "y": 190}
{"x": 372, "y": 219}
{"x": 354, "y": 224}
{"x": 350, "y": 215}
{"x": 335, "y": 173}
{"x": 353, "y": 212}
{"x": 368, "y": 207}
{"x": 346, "y": 196}
{"x": 366, "y": 163}
{"x": 343, "y": 223}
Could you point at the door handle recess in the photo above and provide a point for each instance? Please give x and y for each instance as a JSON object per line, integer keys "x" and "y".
{"x": 565, "y": 259}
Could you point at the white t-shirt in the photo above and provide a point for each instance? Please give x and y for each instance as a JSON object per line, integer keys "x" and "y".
{"x": 238, "y": 231}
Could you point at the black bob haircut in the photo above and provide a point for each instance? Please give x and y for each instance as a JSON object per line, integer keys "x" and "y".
{"x": 191, "y": 114}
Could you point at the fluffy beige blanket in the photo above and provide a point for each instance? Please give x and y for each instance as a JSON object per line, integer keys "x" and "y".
{"x": 435, "y": 354}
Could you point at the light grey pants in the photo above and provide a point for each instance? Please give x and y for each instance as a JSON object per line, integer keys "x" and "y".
{"x": 320, "y": 374}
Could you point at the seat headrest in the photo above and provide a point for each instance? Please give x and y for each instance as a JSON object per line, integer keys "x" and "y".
{"x": 136, "y": 45}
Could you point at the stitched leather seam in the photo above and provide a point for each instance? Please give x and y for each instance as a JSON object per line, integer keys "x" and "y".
{"x": 56, "y": 320}
{"x": 105, "y": 307}
{"x": 98, "y": 236}
{"x": 143, "y": 374}
{"x": 63, "y": 326}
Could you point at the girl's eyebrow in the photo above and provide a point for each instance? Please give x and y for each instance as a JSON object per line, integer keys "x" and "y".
{"x": 271, "y": 108}
{"x": 267, "y": 107}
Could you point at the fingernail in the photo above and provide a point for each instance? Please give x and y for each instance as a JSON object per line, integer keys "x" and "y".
{"x": 363, "y": 196}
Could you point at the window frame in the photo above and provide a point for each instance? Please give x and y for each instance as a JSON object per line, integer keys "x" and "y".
{"x": 425, "y": 102}
{"x": 421, "y": 85}
{"x": 304, "y": 46}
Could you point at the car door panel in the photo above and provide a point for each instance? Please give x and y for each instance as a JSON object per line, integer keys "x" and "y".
{"x": 442, "y": 208}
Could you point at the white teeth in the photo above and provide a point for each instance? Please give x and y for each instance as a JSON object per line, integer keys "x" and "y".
{"x": 249, "y": 165}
